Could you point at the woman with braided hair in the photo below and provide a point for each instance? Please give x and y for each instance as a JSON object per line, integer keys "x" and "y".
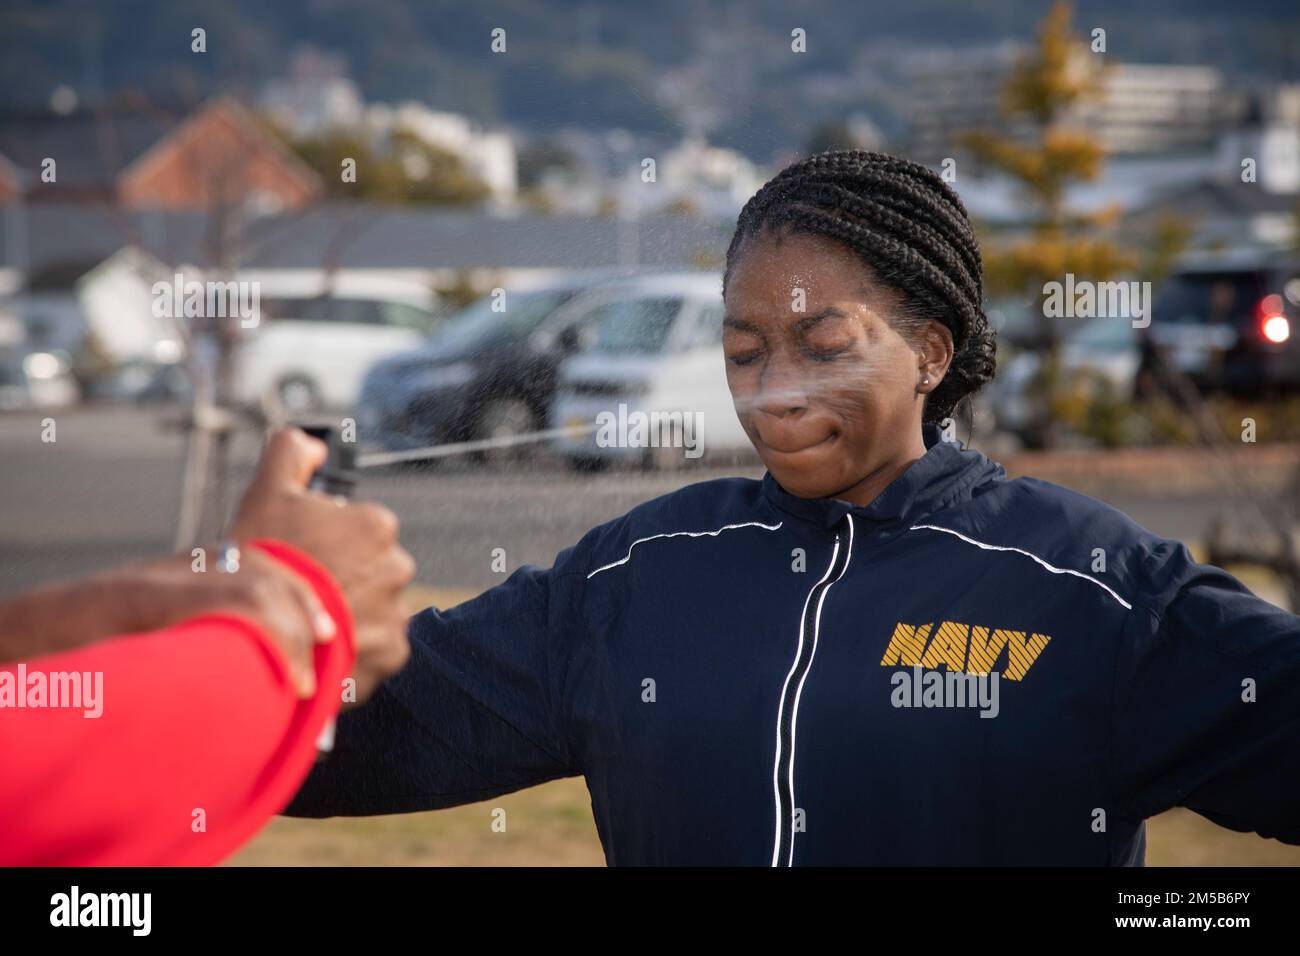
{"x": 882, "y": 652}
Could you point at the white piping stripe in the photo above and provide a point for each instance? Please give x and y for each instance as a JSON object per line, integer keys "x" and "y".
{"x": 687, "y": 534}
{"x": 776, "y": 765}
{"x": 1050, "y": 567}
{"x": 798, "y": 694}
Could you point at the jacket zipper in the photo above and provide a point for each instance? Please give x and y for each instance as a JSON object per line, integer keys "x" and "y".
{"x": 788, "y": 713}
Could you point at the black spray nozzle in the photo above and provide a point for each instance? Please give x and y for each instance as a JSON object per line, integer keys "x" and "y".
{"x": 338, "y": 476}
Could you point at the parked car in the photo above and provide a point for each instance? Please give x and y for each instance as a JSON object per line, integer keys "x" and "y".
{"x": 1228, "y": 325}
{"x": 488, "y": 372}
{"x": 36, "y": 380}
{"x": 312, "y": 353}
{"x": 1105, "y": 348}
{"x": 654, "y": 346}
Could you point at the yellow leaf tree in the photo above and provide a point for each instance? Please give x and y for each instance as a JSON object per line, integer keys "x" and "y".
{"x": 1045, "y": 87}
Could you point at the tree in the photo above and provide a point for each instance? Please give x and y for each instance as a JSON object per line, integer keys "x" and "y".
{"x": 407, "y": 170}
{"x": 1042, "y": 95}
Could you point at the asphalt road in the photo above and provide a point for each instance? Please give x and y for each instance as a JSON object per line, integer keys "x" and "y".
{"x": 108, "y": 490}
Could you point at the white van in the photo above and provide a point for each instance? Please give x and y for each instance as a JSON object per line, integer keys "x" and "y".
{"x": 652, "y": 344}
{"x": 311, "y": 353}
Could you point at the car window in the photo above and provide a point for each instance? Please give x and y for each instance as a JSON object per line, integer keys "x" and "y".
{"x": 326, "y": 309}
{"x": 632, "y": 326}
{"x": 515, "y": 314}
{"x": 401, "y": 315}
{"x": 1210, "y": 298}
{"x": 708, "y": 327}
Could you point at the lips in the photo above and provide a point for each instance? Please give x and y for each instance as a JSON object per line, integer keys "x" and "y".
{"x": 788, "y": 439}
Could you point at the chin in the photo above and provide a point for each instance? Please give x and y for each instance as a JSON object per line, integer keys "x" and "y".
{"x": 802, "y": 482}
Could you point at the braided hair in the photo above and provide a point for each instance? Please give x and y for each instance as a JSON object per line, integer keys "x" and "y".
{"x": 910, "y": 228}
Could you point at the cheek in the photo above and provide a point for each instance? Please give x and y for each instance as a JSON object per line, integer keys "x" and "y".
{"x": 867, "y": 388}
{"x": 743, "y": 382}
{"x": 858, "y": 388}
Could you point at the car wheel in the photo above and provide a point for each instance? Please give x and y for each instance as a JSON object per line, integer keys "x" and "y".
{"x": 505, "y": 418}
{"x": 586, "y": 465}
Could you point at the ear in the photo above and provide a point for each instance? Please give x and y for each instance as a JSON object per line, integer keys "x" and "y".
{"x": 934, "y": 354}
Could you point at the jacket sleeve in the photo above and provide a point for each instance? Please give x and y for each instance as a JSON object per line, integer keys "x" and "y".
{"x": 476, "y": 712}
{"x": 1208, "y": 701}
{"x": 194, "y": 741}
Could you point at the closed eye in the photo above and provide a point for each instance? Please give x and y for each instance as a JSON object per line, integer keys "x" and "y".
{"x": 819, "y": 355}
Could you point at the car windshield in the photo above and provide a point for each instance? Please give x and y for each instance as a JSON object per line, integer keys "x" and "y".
{"x": 1210, "y": 298}
{"x": 513, "y": 315}
{"x": 633, "y": 327}
{"x": 333, "y": 309}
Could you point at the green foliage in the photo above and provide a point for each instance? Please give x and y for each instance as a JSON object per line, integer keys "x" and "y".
{"x": 409, "y": 170}
{"x": 1089, "y": 405}
{"x": 1043, "y": 89}
{"x": 1044, "y": 84}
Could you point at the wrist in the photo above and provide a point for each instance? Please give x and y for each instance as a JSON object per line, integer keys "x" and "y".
{"x": 120, "y": 601}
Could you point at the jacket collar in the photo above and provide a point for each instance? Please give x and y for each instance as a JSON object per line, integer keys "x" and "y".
{"x": 946, "y": 473}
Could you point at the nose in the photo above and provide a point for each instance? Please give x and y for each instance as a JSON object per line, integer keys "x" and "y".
{"x": 781, "y": 389}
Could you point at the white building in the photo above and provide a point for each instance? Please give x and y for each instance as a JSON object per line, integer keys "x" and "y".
{"x": 711, "y": 181}
{"x": 316, "y": 96}
{"x": 1139, "y": 108}
{"x": 488, "y": 155}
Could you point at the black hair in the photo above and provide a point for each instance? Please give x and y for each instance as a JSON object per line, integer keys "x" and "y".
{"x": 910, "y": 228}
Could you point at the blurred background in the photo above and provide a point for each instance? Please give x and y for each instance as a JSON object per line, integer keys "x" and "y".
{"x": 436, "y": 225}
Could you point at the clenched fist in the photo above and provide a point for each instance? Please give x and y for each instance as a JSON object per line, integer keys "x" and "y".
{"x": 355, "y": 541}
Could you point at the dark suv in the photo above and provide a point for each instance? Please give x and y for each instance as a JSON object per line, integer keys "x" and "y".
{"x": 484, "y": 374}
{"x": 1230, "y": 327}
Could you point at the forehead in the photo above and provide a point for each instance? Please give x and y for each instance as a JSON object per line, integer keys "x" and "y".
{"x": 769, "y": 270}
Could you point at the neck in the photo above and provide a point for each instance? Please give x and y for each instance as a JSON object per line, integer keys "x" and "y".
{"x": 866, "y": 491}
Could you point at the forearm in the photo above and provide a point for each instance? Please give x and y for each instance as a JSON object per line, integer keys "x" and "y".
{"x": 189, "y": 740}
{"x": 467, "y": 719}
{"x": 63, "y": 617}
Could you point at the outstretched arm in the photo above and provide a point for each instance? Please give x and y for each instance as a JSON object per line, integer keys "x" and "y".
{"x": 1208, "y": 704}
{"x": 476, "y": 712}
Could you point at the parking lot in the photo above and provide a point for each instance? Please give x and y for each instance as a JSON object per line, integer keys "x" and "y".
{"x": 108, "y": 490}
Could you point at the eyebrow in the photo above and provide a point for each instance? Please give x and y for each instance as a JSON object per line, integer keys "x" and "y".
{"x": 809, "y": 321}
{"x": 802, "y": 325}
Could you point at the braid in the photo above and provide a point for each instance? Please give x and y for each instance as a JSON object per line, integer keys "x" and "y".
{"x": 910, "y": 227}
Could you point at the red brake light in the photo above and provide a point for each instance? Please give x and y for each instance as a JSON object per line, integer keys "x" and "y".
{"x": 1273, "y": 325}
{"x": 1276, "y": 328}
{"x": 1269, "y": 305}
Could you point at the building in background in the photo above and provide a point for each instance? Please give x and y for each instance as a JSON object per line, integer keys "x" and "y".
{"x": 1250, "y": 196}
{"x": 488, "y": 155}
{"x": 220, "y": 155}
{"x": 1139, "y": 109}
{"x": 316, "y": 96}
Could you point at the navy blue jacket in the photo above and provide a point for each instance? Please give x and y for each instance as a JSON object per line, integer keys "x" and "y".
{"x": 970, "y": 670}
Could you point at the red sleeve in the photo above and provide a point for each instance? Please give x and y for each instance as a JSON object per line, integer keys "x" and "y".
{"x": 199, "y": 739}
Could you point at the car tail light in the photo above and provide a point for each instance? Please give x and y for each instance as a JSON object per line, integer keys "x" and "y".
{"x": 1276, "y": 328}
{"x": 1273, "y": 325}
